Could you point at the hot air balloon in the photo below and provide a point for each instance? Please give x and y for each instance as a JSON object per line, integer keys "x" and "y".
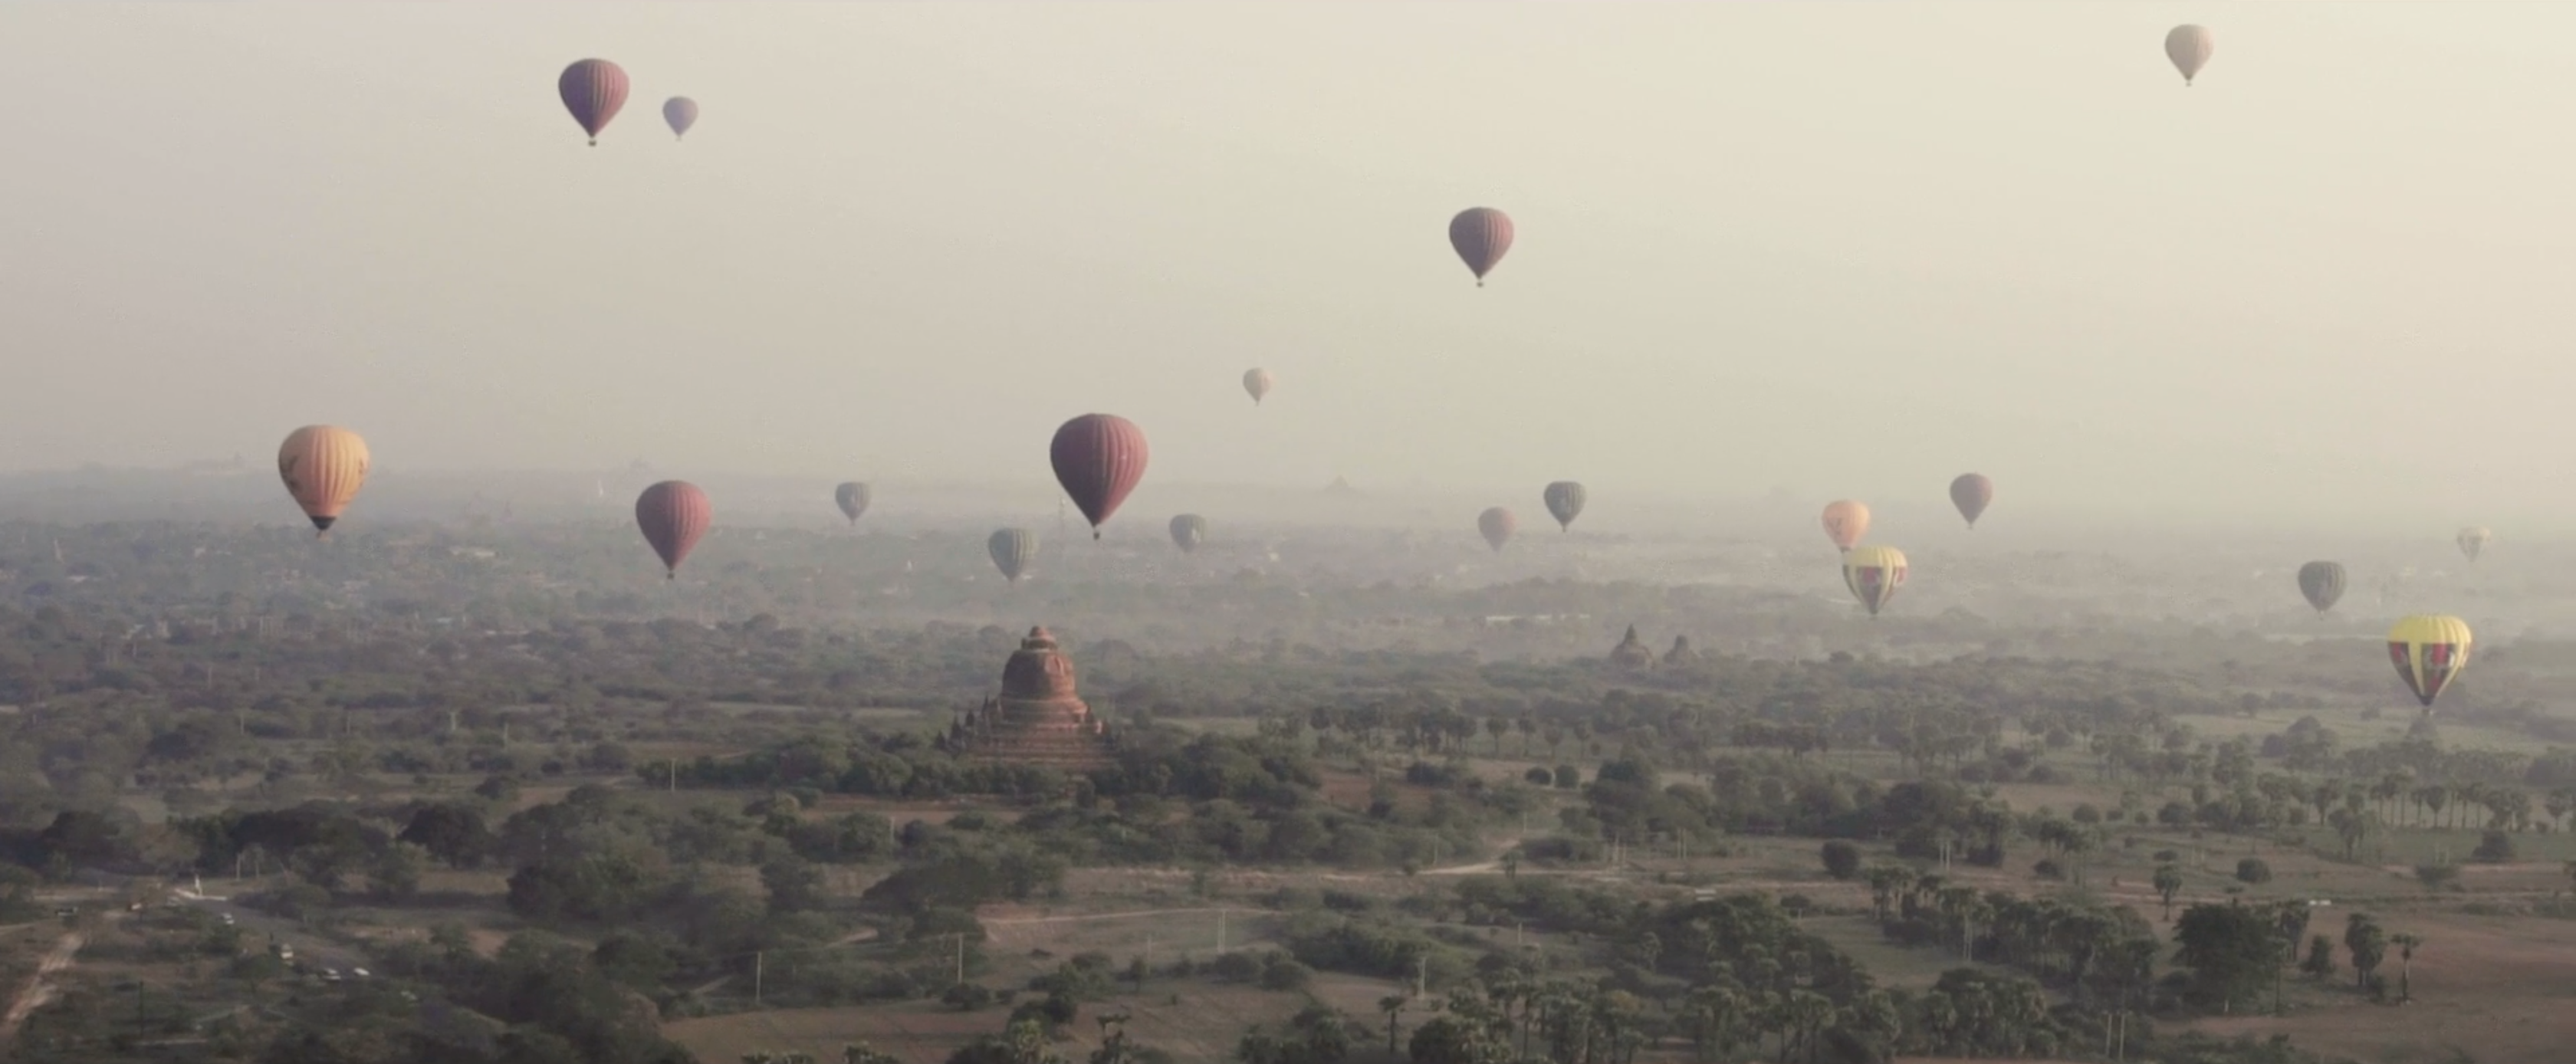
{"x": 1481, "y": 235}
{"x": 323, "y": 467}
{"x": 681, "y": 112}
{"x": 1564, "y": 501}
{"x": 2322, "y": 583}
{"x": 2189, "y": 48}
{"x": 1188, "y": 531}
{"x": 1257, "y": 381}
{"x": 1012, "y": 550}
{"x": 1846, "y": 522}
{"x": 1497, "y": 524}
{"x": 1874, "y": 574}
{"x": 673, "y": 515}
{"x": 593, "y": 90}
{"x": 1971, "y": 493}
{"x": 2429, "y": 649}
{"x": 1098, "y": 458}
{"x": 2473, "y": 541}
{"x": 853, "y": 498}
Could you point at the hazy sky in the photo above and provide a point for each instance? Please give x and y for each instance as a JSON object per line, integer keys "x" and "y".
{"x": 1849, "y": 248}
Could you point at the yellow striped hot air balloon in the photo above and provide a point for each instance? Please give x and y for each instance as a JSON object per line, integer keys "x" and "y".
{"x": 2428, "y": 650}
{"x": 1874, "y": 574}
{"x": 323, "y": 467}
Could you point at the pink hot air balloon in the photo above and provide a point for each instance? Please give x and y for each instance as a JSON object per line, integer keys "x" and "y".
{"x": 673, "y": 515}
{"x": 681, "y": 112}
{"x": 593, "y": 90}
{"x": 1098, "y": 458}
{"x": 1481, "y": 235}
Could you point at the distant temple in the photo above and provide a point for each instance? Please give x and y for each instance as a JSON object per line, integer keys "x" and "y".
{"x": 1037, "y": 720}
{"x": 1681, "y": 653}
{"x": 1631, "y": 653}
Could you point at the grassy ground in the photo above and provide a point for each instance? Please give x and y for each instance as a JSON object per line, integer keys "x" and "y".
{"x": 2495, "y": 988}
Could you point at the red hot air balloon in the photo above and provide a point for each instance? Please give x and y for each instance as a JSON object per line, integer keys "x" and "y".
{"x": 1098, "y": 458}
{"x": 674, "y": 515}
{"x": 1481, "y": 235}
{"x": 593, "y": 90}
{"x": 1497, "y": 525}
{"x": 680, "y": 112}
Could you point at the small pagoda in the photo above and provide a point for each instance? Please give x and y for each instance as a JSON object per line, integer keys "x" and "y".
{"x": 1037, "y": 719}
{"x": 1632, "y": 653}
{"x": 1681, "y": 653}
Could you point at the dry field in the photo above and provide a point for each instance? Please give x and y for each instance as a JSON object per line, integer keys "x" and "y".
{"x": 2500, "y": 989}
{"x": 1190, "y": 1019}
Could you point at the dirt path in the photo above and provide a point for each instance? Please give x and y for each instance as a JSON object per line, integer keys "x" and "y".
{"x": 38, "y": 991}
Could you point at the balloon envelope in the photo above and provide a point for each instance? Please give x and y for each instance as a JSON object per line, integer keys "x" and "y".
{"x": 2322, "y": 583}
{"x": 1873, "y": 574}
{"x": 1497, "y": 525}
{"x": 1972, "y": 493}
{"x": 2473, "y": 541}
{"x": 1188, "y": 531}
{"x": 674, "y": 516}
{"x": 1012, "y": 550}
{"x": 1098, "y": 458}
{"x": 1846, "y": 522}
{"x": 2428, "y": 650}
{"x": 323, "y": 467}
{"x": 1564, "y": 501}
{"x": 2189, "y": 48}
{"x": 681, "y": 112}
{"x": 1257, "y": 381}
{"x": 852, "y": 497}
{"x": 593, "y": 90}
{"x": 1481, "y": 235}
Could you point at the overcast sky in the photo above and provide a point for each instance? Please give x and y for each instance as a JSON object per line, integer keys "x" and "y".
{"x": 1842, "y": 248}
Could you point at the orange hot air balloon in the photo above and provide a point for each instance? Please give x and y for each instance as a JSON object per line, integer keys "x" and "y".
{"x": 1846, "y": 522}
{"x": 323, "y": 467}
{"x": 1972, "y": 493}
{"x": 673, "y": 515}
{"x": 1497, "y": 525}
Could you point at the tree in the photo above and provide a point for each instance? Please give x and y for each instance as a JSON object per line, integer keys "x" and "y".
{"x": 2232, "y": 950}
{"x": 2406, "y": 944}
{"x": 1393, "y": 1006}
{"x": 2320, "y": 964}
{"x": 2368, "y": 945}
{"x": 2253, "y": 870}
{"x": 1842, "y": 859}
{"x": 2494, "y": 847}
{"x": 2168, "y": 882}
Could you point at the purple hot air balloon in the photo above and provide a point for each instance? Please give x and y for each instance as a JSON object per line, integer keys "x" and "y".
{"x": 593, "y": 90}
{"x": 681, "y": 112}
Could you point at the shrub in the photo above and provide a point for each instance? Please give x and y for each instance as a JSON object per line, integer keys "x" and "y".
{"x": 2253, "y": 870}
{"x": 1842, "y": 859}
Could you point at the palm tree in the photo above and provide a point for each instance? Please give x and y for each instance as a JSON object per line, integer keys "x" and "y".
{"x": 2406, "y": 944}
{"x": 1393, "y": 1006}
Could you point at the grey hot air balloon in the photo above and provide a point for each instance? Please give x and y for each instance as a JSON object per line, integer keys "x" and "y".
{"x": 1188, "y": 531}
{"x": 1564, "y": 502}
{"x": 1012, "y": 550}
{"x": 2189, "y": 48}
{"x": 2322, "y": 583}
{"x": 852, "y": 497}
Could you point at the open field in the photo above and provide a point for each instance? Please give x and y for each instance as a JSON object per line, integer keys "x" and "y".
{"x": 2497, "y": 989}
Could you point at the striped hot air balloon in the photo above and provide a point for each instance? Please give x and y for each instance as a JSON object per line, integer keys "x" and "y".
{"x": 1873, "y": 574}
{"x": 2322, "y": 584}
{"x": 1098, "y": 458}
{"x": 323, "y": 467}
{"x": 1564, "y": 500}
{"x": 674, "y": 516}
{"x": 2428, "y": 650}
{"x": 593, "y": 90}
